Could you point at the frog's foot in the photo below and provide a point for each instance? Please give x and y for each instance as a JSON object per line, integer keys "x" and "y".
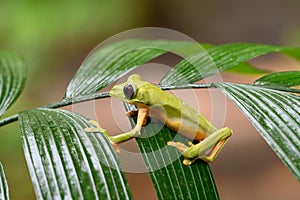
{"x": 182, "y": 148}
{"x": 207, "y": 149}
{"x": 98, "y": 129}
{"x": 178, "y": 145}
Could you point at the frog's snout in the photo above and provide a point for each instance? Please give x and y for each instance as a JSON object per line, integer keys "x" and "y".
{"x": 112, "y": 92}
{"x": 116, "y": 91}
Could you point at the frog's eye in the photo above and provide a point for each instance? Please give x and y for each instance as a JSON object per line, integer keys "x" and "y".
{"x": 129, "y": 91}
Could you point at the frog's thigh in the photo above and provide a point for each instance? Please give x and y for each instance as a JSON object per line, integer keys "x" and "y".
{"x": 185, "y": 130}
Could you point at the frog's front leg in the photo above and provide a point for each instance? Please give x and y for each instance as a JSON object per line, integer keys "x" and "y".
{"x": 207, "y": 149}
{"x": 142, "y": 117}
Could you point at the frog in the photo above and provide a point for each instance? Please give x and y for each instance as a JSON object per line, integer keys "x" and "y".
{"x": 174, "y": 113}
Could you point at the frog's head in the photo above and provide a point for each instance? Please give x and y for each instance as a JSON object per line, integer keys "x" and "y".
{"x": 128, "y": 90}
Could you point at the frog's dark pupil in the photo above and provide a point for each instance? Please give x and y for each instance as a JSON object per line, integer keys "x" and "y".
{"x": 129, "y": 91}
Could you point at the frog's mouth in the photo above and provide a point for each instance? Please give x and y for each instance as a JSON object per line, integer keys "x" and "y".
{"x": 115, "y": 91}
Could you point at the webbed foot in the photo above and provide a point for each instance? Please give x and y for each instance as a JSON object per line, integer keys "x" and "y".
{"x": 206, "y": 150}
{"x": 98, "y": 129}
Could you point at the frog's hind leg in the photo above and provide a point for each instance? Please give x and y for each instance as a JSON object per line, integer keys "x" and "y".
{"x": 214, "y": 152}
{"x": 207, "y": 149}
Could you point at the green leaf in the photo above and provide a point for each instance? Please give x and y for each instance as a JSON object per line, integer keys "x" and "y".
{"x": 219, "y": 58}
{"x": 275, "y": 115}
{"x": 111, "y": 62}
{"x": 293, "y": 52}
{"x": 65, "y": 162}
{"x": 245, "y": 68}
{"x": 12, "y": 78}
{"x": 172, "y": 179}
{"x": 280, "y": 80}
{"x": 4, "y": 195}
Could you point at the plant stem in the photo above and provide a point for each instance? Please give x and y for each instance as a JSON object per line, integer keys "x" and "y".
{"x": 62, "y": 103}
{"x": 69, "y": 101}
{"x": 8, "y": 120}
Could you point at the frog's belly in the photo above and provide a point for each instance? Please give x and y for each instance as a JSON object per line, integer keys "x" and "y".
{"x": 178, "y": 126}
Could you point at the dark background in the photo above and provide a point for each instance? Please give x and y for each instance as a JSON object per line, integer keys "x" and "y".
{"x": 56, "y": 36}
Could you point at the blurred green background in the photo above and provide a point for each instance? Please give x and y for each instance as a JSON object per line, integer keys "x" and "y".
{"x": 55, "y": 36}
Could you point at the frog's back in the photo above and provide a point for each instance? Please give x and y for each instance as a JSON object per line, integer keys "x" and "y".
{"x": 176, "y": 111}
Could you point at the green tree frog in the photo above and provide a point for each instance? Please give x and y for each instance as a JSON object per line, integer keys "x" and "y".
{"x": 174, "y": 113}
